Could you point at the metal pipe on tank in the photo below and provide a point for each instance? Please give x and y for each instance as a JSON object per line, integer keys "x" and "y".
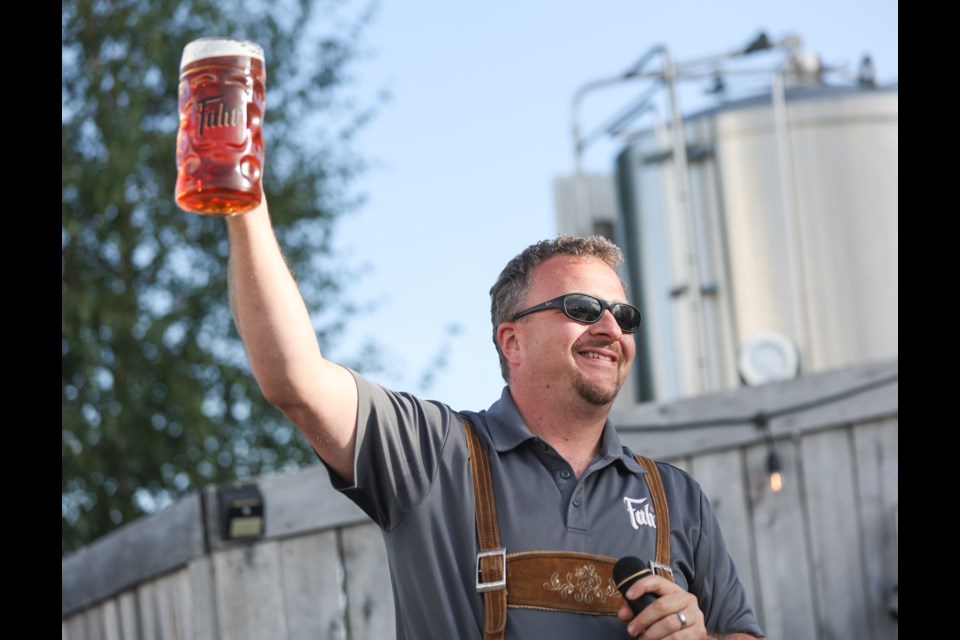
{"x": 683, "y": 197}
{"x": 791, "y": 216}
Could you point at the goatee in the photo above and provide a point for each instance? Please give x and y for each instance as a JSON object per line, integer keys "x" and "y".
{"x": 596, "y": 395}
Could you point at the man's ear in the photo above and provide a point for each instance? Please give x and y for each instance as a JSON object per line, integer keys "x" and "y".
{"x": 508, "y": 339}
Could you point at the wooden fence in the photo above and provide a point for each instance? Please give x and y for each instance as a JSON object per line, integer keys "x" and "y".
{"x": 819, "y": 558}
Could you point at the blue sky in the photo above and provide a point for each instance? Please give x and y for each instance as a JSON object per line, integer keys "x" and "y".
{"x": 479, "y": 125}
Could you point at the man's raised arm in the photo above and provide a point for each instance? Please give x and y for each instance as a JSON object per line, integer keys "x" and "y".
{"x": 318, "y": 396}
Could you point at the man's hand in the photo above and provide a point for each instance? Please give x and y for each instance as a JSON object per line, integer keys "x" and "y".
{"x": 675, "y": 614}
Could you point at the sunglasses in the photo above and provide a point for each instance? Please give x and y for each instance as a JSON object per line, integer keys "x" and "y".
{"x": 587, "y": 309}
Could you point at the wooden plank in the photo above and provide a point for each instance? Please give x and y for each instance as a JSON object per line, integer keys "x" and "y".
{"x": 95, "y": 626}
{"x": 722, "y": 478}
{"x": 370, "y": 610}
{"x": 834, "y": 535}
{"x": 784, "y": 589}
{"x": 127, "y": 612}
{"x": 181, "y": 594}
{"x": 166, "y": 607}
{"x": 313, "y": 595}
{"x": 146, "y": 604}
{"x": 248, "y": 589}
{"x": 74, "y": 627}
{"x": 111, "y": 620}
{"x": 165, "y": 615}
{"x": 174, "y": 605}
{"x": 204, "y": 599}
{"x": 877, "y": 450}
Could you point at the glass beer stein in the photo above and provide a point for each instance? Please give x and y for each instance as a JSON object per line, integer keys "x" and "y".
{"x": 220, "y": 142}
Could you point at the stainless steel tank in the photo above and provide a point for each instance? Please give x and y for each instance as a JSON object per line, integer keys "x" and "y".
{"x": 785, "y": 225}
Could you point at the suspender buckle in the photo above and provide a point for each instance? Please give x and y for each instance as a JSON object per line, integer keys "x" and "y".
{"x": 492, "y": 585}
{"x": 662, "y": 567}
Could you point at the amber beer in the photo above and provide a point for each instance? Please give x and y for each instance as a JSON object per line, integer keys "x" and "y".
{"x": 220, "y": 142}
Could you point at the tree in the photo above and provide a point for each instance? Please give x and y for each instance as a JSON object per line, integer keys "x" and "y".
{"x": 157, "y": 398}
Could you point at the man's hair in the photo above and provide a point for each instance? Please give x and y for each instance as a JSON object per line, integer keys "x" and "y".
{"x": 513, "y": 284}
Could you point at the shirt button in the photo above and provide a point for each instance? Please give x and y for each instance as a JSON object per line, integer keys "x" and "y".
{"x": 576, "y": 500}
{"x": 565, "y": 475}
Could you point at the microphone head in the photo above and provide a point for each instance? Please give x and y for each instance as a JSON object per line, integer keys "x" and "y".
{"x": 628, "y": 570}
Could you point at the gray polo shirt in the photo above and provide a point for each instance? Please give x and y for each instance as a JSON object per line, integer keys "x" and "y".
{"x": 412, "y": 477}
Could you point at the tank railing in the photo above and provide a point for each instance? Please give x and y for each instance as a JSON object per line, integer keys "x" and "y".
{"x": 635, "y": 71}
{"x": 697, "y": 68}
{"x": 617, "y": 124}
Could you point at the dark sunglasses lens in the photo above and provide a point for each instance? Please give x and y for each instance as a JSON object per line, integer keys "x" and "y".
{"x": 627, "y": 317}
{"x": 582, "y": 308}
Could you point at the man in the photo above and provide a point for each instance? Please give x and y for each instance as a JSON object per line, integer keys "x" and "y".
{"x": 562, "y": 481}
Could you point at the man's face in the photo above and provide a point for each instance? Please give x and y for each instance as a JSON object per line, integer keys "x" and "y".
{"x": 560, "y": 354}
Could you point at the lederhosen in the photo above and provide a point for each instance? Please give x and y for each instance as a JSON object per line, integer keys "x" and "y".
{"x": 548, "y": 580}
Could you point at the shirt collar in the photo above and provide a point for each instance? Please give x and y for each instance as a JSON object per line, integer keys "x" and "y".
{"x": 508, "y": 431}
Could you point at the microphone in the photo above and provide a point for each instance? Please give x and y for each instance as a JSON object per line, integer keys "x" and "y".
{"x": 628, "y": 570}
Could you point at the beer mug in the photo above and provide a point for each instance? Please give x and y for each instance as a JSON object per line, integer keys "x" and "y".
{"x": 220, "y": 142}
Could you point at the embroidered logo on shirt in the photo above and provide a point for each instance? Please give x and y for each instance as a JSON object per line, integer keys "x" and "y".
{"x": 640, "y": 513}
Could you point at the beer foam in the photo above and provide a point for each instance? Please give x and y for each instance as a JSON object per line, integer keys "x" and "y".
{"x": 214, "y": 47}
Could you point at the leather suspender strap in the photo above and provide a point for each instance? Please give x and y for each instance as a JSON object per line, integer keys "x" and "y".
{"x": 492, "y": 559}
{"x": 659, "y": 498}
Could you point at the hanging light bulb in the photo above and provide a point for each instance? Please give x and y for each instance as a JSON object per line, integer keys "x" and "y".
{"x": 774, "y": 468}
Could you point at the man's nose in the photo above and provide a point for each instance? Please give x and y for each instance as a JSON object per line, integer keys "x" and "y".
{"x": 607, "y": 324}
